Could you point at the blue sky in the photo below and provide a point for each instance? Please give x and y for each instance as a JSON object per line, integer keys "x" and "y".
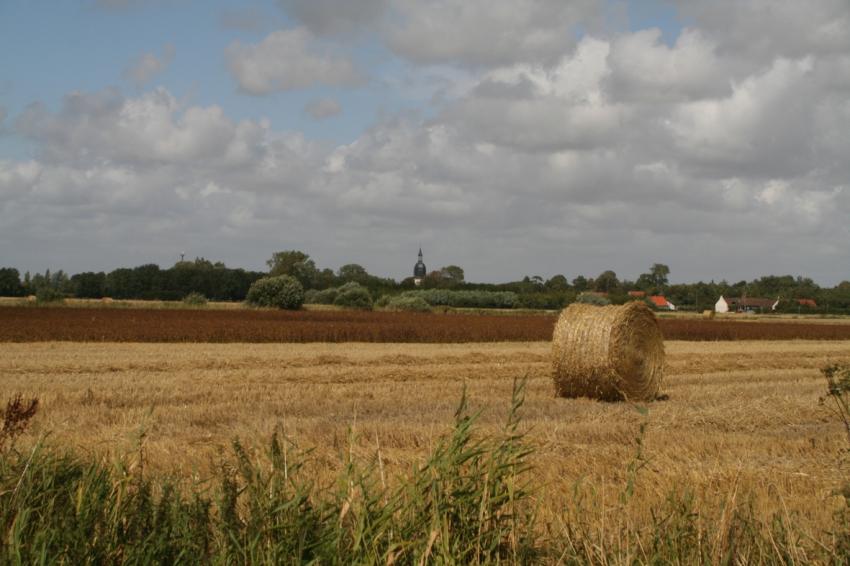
{"x": 600, "y": 134}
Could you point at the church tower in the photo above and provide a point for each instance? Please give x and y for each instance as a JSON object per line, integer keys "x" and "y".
{"x": 419, "y": 270}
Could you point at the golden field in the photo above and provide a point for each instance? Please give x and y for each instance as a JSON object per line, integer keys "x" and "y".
{"x": 742, "y": 427}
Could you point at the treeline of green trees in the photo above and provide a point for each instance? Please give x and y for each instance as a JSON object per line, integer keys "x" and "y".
{"x": 444, "y": 286}
{"x": 212, "y": 280}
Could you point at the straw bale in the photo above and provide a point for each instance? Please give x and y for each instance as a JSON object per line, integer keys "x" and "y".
{"x": 709, "y": 314}
{"x": 610, "y": 353}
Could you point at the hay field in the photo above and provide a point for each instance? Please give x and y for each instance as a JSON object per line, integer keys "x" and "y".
{"x": 742, "y": 426}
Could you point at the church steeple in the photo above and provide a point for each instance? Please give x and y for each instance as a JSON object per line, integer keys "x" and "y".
{"x": 419, "y": 270}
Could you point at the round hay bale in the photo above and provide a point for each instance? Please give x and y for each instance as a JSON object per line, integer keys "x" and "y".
{"x": 708, "y": 314}
{"x": 107, "y": 300}
{"x": 31, "y": 298}
{"x": 609, "y": 353}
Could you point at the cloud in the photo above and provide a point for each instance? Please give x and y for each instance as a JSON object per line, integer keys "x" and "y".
{"x": 485, "y": 33}
{"x": 147, "y": 66}
{"x": 612, "y": 151}
{"x": 764, "y": 29}
{"x": 643, "y": 67}
{"x": 288, "y": 60}
{"x": 250, "y": 18}
{"x": 763, "y": 125}
{"x": 331, "y": 17}
{"x": 322, "y": 108}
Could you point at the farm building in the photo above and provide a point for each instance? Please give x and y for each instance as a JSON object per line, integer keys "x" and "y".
{"x": 810, "y": 303}
{"x": 637, "y": 294}
{"x": 662, "y": 303}
{"x": 745, "y": 304}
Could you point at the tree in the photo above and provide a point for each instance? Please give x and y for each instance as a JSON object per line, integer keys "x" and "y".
{"x": 88, "y": 285}
{"x": 607, "y": 282}
{"x": 353, "y": 272}
{"x": 281, "y": 263}
{"x": 10, "y": 282}
{"x": 580, "y": 283}
{"x": 452, "y": 273}
{"x": 557, "y": 283}
{"x": 659, "y": 273}
{"x": 306, "y": 272}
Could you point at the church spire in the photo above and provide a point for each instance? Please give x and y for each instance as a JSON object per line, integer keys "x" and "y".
{"x": 419, "y": 270}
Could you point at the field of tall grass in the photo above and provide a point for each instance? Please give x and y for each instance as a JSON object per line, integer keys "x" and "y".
{"x": 472, "y": 501}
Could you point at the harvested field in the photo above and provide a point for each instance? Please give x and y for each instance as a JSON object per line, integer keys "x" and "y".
{"x": 742, "y": 426}
{"x": 25, "y": 324}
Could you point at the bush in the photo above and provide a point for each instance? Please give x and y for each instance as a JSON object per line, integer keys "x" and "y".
{"x": 353, "y": 295}
{"x": 466, "y": 299}
{"x": 593, "y": 299}
{"x": 325, "y": 296}
{"x": 406, "y": 303}
{"x": 48, "y": 295}
{"x": 195, "y": 299}
{"x": 283, "y": 292}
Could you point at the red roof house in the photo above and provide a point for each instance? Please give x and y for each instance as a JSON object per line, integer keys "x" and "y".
{"x": 660, "y": 302}
{"x": 807, "y": 303}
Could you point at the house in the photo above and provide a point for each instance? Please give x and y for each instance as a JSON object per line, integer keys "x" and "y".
{"x": 745, "y": 304}
{"x": 637, "y": 294}
{"x": 810, "y": 303}
{"x": 661, "y": 303}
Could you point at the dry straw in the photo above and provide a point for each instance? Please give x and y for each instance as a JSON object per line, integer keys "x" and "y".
{"x": 610, "y": 353}
{"x": 708, "y": 314}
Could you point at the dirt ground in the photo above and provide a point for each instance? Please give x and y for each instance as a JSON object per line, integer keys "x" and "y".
{"x": 743, "y": 424}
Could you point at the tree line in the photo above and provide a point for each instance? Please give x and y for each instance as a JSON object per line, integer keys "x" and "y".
{"x": 218, "y": 282}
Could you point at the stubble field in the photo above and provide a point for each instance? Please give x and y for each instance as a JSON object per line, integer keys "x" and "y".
{"x": 742, "y": 429}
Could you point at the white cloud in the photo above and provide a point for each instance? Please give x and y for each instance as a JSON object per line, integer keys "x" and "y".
{"x": 766, "y": 29}
{"x": 643, "y": 67}
{"x": 485, "y": 33}
{"x": 322, "y": 108}
{"x": 288, "y": 60}
{"x": 147, "y": 66}
{"x": 766, "y": 122}
{"x": 613, "y": 152}
{"x": 332, "y": 17}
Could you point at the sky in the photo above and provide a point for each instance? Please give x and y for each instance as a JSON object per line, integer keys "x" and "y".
{"x": 511, "y": 138}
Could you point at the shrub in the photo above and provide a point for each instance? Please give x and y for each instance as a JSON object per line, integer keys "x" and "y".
{"x": 325, "y": 296}
{"x": 282, "y": 291}
{"x": 195, "y": 299}
{"x": 593, "y": 299}
{"x": 410, "y": 304}
{"x": 48, "y": 295}
{"x": 466, "y": 299}
{"x": 353, "y": 295}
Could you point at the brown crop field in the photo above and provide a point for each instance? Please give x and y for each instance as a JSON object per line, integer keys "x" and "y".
{"x": 25, "y": 324}
{"x": 742, "y": 429}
